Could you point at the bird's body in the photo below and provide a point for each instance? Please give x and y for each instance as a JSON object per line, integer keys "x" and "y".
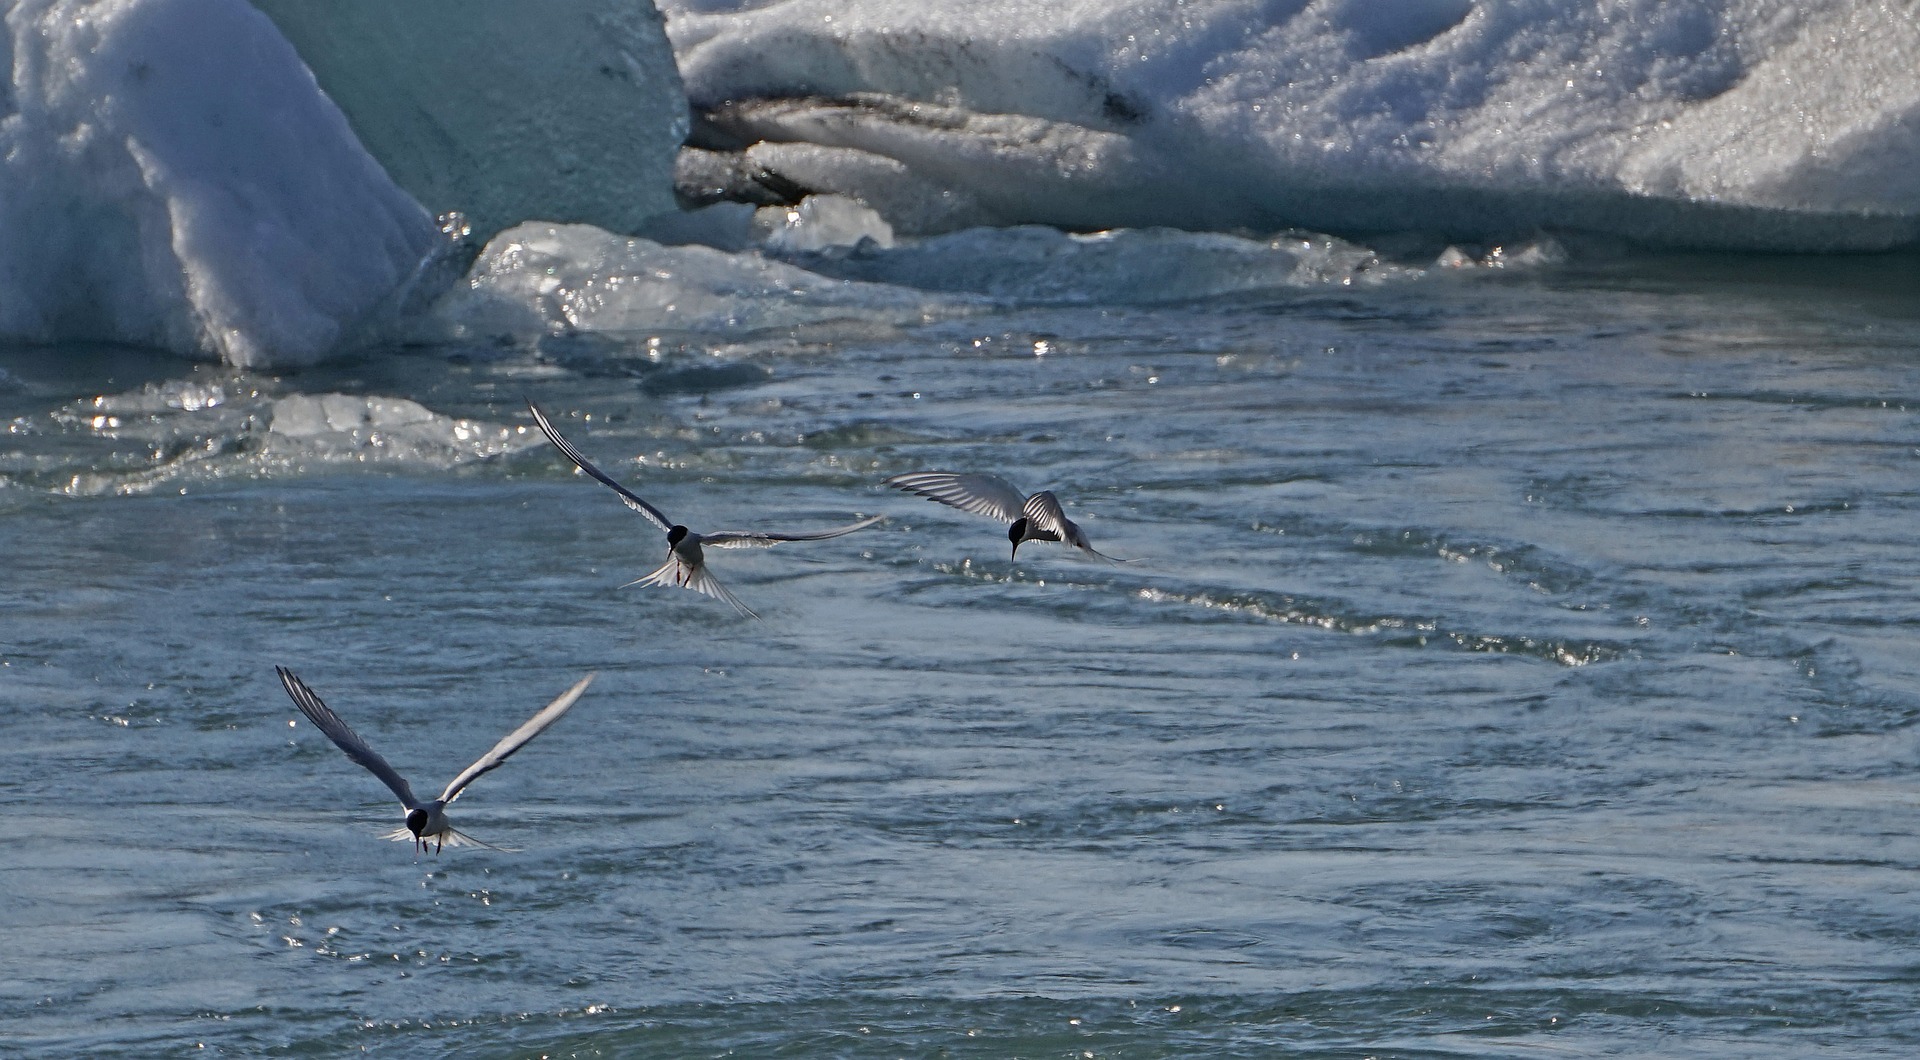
{"x": 1033, "y": 518}
{"x": 426, "y": 819}
{"x": 686, "y": 564}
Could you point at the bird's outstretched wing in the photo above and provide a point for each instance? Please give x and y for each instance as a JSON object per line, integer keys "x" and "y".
{"x": 674, "y": 572}
{"x": 988, "y": 495}
{"x": 768, "y": 539}
{"x": 344, "y": 737}
{"x": 633, "y": 500}
{"x": 516, "y": 739}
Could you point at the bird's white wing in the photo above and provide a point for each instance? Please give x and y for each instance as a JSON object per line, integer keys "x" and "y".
{"x": 344, "y": 737}
{"x": 988, "y": 495}
{"x": 768, "y": 539}
{"x": 516, "y": 739}
{"x": 633, "y": 500}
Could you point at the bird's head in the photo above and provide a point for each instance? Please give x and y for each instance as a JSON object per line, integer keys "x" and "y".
{"x": 675, "y": 535}
{"x": 416, "y": 820}
{"x": 1016, "y": 533}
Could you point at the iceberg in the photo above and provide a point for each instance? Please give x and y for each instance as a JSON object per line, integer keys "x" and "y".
{"x": 1736, "y": 124}
{"x": 173, "y": 175}
{"x": 505, "y": 111}
{"x": 170, "y": 176}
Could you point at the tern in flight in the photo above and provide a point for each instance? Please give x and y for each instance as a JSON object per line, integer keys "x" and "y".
{"x": 425, "y": 820}
{"x": 1035, "y": 518}
{"x": 686, "y": 564}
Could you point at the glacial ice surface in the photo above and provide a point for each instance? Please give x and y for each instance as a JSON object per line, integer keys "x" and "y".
{"x": 170, "y": 176}
{"x": 1747, "y": 124}
{"x": 564, "y": 110}
{"x": 822, "y": 262}
{"x": 539, "y": 278}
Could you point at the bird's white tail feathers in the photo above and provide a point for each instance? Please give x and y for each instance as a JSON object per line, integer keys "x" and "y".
{"x": 676, "y": 574}
{"x": 450, "y": 838}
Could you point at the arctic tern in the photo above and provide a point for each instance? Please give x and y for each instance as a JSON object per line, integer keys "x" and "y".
{"x": 1035, "y": 518}
{"x": 686, "y": 564}
{"x": 426, "y": 820}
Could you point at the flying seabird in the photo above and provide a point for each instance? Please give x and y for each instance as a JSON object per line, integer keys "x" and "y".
{"x": 686, "y": 564}
{"x": 1035, "y": 518}
{"x": 425, "y": 820}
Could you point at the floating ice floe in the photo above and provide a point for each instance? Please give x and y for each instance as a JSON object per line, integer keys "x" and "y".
{"x": 537, "y": 279}
{"x": 189, "y": 433}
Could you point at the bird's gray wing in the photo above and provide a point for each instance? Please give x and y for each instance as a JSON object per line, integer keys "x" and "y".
{"x": 1046, "y": 519}
{"x": 1044, "y": 516}
{"x": 988, "y": 495}
{"x": 516, "y": 739}
{"x": 768, "y": 539}
{"x": 344, "y": 737}
{"x": 633, "y": 500}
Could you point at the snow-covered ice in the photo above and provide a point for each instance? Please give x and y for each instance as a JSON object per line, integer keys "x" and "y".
{"x": 1752, "y": 124}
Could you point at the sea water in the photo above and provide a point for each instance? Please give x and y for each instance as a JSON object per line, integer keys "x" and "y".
{"x": 1505, "y": 662}
{"x": 1512, "y": 652}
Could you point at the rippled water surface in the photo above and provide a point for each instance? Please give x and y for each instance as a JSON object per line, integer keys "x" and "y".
{"x": 1505, "y": 665}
